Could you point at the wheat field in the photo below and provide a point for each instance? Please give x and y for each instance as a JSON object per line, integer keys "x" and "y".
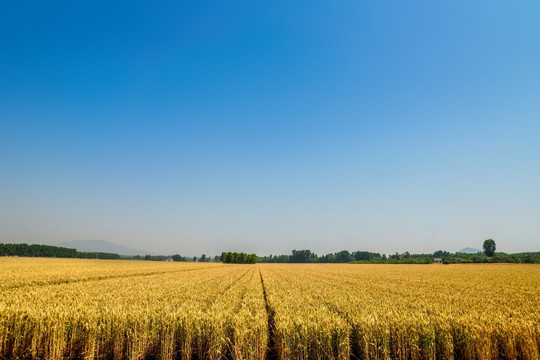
{"x": 103, "y": 309}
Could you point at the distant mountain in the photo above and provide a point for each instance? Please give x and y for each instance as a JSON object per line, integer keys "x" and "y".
{"x": 469, "y": 250}
{"x": 101, "y": 246}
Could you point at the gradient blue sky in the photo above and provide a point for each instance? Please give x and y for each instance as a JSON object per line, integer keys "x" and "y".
{"x": 202, "y": 126}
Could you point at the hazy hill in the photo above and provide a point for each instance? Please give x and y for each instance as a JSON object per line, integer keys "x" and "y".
{"x": 469, "y": 250}
{"x": 101, "y": 246}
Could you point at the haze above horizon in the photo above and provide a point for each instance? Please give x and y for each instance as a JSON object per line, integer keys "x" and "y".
{"x": 198, "y": 127}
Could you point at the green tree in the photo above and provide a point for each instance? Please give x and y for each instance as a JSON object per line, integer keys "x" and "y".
{"x": 489, "y": 247}
{"x": 177, "y": 257}
{"x": 343, "y": 256}
{"x": 252, "y": 259}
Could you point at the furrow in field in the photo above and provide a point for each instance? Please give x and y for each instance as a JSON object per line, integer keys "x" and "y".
{"x": 271, "y": 353}
{"x": 302, "y": 327}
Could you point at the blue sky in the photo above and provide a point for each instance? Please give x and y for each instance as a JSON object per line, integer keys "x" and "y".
{"x": 198, "y": 127}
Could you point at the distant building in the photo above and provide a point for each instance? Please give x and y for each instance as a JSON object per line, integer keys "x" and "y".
{"x": 437, "y": 261}
{"x": 169, "y": 260}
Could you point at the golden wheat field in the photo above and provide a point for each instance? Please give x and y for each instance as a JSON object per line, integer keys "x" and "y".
{"x": 104, "y": 309}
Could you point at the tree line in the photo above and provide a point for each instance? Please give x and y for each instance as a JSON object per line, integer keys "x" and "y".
{"x": 238, "y": 258}
{"x": 35, "y": 250}
{"x": 365, "y": 257}
{"x": 308, "y": 256}
{"x": 175, "y": 258}
{"x": 297, "y": 256}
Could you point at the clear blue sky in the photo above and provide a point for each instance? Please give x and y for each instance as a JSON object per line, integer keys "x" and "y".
{"x": 268, "y": 126}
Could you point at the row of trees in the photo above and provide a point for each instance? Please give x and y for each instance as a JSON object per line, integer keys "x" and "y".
{"x": 35, "y": 250}
{"x": 488, "y": 255}
{"x": 205, "y": 258}
{"x": 520, "y": 258}
{"x": 297, "y": 256}
{"x": 307, "y": 256}
{"x": 97, "y": 255}
{"x": 175, "y": 257}
{"x": 358, "y": 257}
{"x": 152, "y": 257}
{"x": 238, "y": 258}
{"x": 344, "y": 256}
